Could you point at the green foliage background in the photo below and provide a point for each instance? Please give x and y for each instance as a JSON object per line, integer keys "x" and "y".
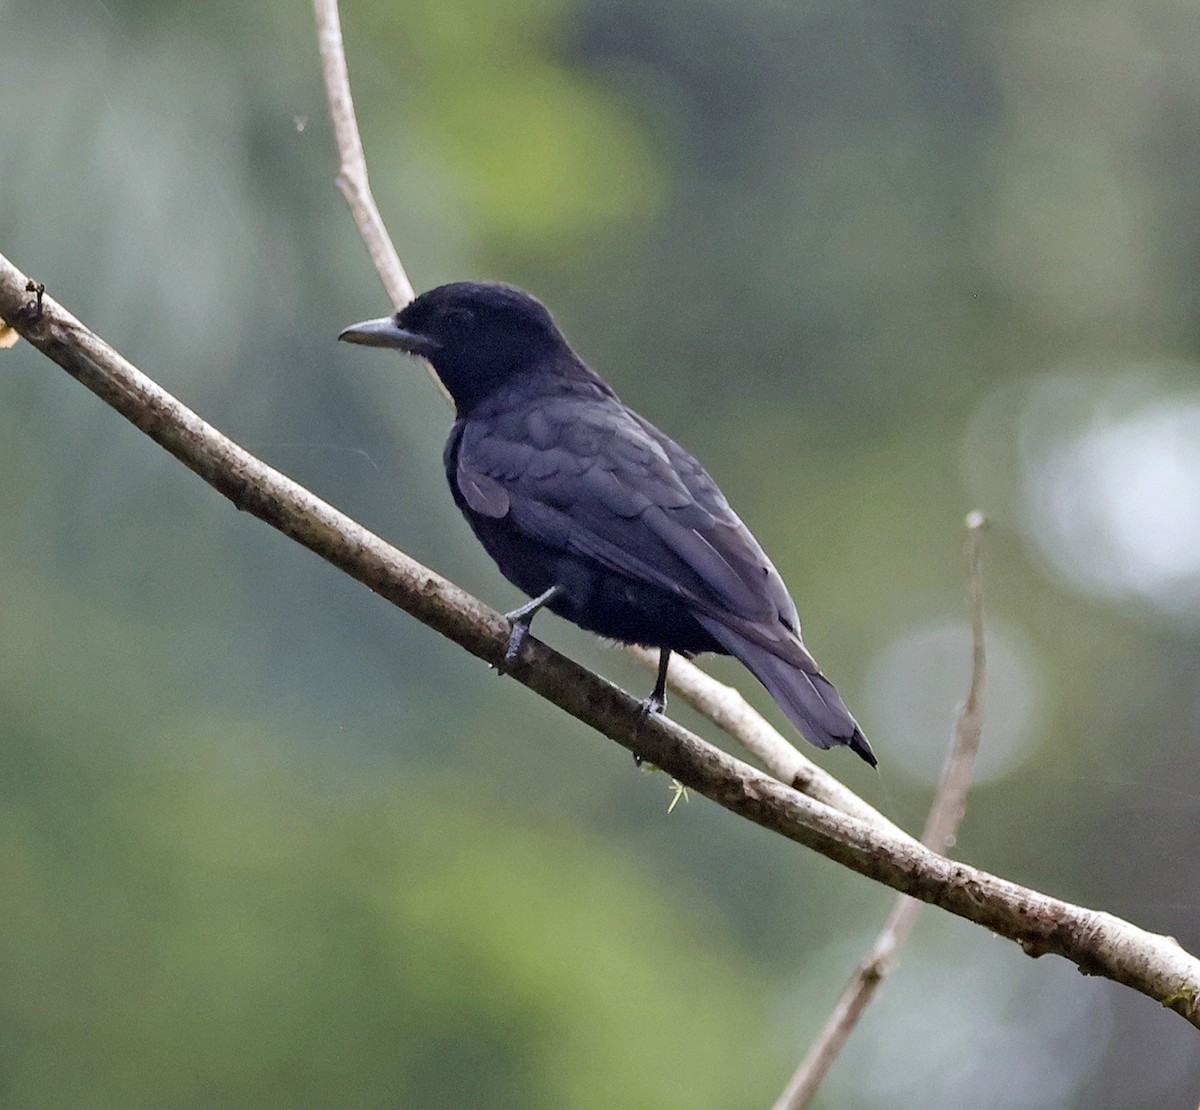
{"x": 266, "y": 842}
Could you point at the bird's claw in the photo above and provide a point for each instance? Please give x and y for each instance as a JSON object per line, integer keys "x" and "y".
{"x": 648, "y": 707}
{"x": 516, "y": 639}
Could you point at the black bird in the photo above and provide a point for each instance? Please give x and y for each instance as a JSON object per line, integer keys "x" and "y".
{"x": 592, "y": 511}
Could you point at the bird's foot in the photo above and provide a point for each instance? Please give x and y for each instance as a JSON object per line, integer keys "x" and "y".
{"x": 655, "y": 703}
{"x": 520, "y": 619}
{"x": 516, "y": 638}
{"x": 647, "y": 708}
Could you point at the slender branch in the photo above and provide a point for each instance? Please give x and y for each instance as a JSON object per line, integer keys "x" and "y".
{"x": 352, "y": 164}
{"x": 950, "y": 805}
{"x": 352, "y": 178}
{"x": 1099, "y": 943}
{"x": 945, "y": 816}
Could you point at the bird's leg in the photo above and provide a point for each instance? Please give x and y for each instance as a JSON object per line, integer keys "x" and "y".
{"x": 520, "y": 620}
{"x": 657, "y": 701}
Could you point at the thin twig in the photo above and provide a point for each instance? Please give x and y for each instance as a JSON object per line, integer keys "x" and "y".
{"x": 352, "y": 163}
{"x": 950, "y": 805}
{"x": 352, "y": 177}
{"x": 941, "y": 827}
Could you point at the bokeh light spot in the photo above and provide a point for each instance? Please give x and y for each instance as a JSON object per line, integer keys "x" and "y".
{"x": 1112, "y": 497}
{"x": 918, "y": 683}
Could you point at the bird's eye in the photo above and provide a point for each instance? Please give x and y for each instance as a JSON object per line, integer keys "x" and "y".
{"x": 462, "y": 319}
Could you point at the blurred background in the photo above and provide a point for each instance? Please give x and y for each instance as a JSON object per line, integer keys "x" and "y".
{"x": 266, "y": 841}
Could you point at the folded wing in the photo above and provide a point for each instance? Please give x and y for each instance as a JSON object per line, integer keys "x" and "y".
{"x": 599, "y": 481}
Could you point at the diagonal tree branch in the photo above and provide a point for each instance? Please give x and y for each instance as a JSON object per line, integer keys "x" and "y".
{"x": 945, "y": 816}
{"x": 1099, "y": 943}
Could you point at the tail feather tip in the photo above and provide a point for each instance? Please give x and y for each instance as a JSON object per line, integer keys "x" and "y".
{"x": 858, "y": 744}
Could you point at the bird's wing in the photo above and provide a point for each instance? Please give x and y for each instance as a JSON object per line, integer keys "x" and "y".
{"x": 594, "y": 479}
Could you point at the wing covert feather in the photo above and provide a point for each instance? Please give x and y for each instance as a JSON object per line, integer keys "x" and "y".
{"x": 601, "y": 482}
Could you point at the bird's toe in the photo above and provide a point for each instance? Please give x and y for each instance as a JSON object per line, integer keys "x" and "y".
{"x": 652, "y": 705}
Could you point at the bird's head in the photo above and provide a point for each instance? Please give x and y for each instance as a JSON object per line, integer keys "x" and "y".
{"x": 477, "y": 335}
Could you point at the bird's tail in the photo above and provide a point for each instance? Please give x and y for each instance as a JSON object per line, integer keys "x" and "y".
{"x": 808, "y": 698}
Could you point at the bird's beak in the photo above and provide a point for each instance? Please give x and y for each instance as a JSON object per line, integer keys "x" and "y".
{"x": 385, "y": 332}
